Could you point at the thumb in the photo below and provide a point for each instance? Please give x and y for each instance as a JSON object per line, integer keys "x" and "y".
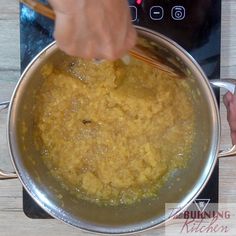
{"x": 228, "y": 97}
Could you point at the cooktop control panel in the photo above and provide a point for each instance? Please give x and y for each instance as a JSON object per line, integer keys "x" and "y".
{"x": 190, "y": 23}
{"x": 158, "y": 11}
{"x": 195, "y": 25}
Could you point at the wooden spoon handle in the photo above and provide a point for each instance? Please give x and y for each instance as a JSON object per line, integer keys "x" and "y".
{"x": 40, "y": 8}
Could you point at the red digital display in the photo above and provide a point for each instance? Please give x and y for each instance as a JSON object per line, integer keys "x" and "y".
{"x": 139, "y": 2}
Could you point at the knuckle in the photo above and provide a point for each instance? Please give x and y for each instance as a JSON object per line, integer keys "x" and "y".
{"x": 69, "y": 49}
{"x": 73, "y": 49}
{"x": 88, "y": 52}
{"x": 131, "y": 39}
{"x": 112, "y": 53}
{"x": 86, "y": 55}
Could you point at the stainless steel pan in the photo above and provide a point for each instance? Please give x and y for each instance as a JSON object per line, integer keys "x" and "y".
{"x": 43, "y": 188}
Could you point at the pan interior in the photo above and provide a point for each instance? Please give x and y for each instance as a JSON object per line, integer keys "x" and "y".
{"x": 181, "y": 188}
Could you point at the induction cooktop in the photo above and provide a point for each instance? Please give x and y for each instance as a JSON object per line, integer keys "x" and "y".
{"x": 195, "y": 25}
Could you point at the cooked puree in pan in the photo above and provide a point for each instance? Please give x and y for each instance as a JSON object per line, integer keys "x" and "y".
{"x": 111, "y": 133}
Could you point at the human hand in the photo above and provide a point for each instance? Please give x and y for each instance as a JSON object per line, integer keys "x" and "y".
{"x": 230, "y": 103}
{"x": 90, "y": 29}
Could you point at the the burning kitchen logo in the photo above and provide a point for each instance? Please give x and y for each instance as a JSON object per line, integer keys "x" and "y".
{"x": 202, "y": 218}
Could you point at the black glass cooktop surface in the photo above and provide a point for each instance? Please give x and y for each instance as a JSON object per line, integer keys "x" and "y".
{"x": 195, "y": 25}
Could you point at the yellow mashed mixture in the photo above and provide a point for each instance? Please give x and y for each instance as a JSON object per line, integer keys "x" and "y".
{"x": 112, "y": 133}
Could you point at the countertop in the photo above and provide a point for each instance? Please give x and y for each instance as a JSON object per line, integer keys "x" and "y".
{"x": 12, "y": 219}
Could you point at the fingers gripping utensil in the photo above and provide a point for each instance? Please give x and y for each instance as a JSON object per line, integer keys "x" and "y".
{"x": 145, "y": 54}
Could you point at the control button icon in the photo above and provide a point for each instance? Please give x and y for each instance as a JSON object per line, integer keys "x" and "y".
{"x": 178, "y": 12}
{"x": 156, "y": 13}
{"x": 134, "y": 12}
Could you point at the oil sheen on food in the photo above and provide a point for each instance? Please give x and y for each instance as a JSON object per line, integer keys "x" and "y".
{"x": 112, "y": 133}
